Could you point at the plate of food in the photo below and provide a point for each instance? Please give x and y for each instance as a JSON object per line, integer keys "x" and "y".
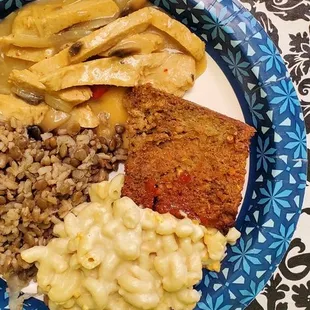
{"x": 152, "y": 155}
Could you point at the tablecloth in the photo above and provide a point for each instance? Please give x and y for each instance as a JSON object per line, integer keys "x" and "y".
{"x": 288, "y": 24}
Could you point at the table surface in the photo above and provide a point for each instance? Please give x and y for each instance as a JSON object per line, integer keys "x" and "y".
{"x": 288, "y": 24}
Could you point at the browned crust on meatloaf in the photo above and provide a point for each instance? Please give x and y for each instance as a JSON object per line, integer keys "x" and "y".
{"x": 184, "y": 157}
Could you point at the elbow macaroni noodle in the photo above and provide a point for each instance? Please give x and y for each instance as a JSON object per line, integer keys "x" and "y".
{"x": 111, "y": 254}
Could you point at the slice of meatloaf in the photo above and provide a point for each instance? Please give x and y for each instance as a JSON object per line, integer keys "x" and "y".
{"x": 184, "y": 158}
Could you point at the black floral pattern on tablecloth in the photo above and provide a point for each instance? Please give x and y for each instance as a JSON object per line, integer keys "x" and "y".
{"x": 304, "y": 91}
{"x": 275, "y": 294}
{"x": 275, "y": 291}
{"x": 287, "y": 23}
{"x": 288, "y": 10}
{"x": 302, "y": 296}
{"x": 301, "y": 260}
{"x": 265, "y": 21}
{"x": 298, "y": 61}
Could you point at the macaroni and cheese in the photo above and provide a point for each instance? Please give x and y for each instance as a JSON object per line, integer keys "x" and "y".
{"x": 111, "y": 254}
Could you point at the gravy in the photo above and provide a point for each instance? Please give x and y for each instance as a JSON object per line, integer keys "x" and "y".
{"x": 110, "y": 107}
{"x": 7, "y": 64}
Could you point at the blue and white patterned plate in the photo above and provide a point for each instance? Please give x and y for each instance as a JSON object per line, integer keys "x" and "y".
{"x": 278, "y": 160}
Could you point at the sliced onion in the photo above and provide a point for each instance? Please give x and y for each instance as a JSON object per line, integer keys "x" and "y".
{"x": 93, "y": 24}
{"x": 127, "y": 6}
{"x": 53, "y": 119}
{"x": 25, "y": 40}
{"x": 135, "y": 5}
{"x": 72, "y": 34}
{"x": 68, "y": 36}
{"x": 122, "y": 4}
{"x": 57, "y": 103}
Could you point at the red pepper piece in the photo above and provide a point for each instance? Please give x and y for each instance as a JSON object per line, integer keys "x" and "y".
{"x": 98, "y": 91}
{"x": 185, "y": 177}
